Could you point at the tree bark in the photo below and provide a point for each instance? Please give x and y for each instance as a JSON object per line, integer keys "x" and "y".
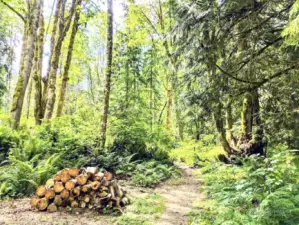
{"x": 26, "y": 63}
{"x": 52, "y": 46}
{"x": 229, "y": 125}
{"x": 109, "y": 54}
{"x": 68, "y": 62}
{"x": 62, "y": 30}
{"x": 37, "y": 72}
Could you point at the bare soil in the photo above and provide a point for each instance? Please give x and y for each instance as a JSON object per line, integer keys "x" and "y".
{"x": 179, "y": 196}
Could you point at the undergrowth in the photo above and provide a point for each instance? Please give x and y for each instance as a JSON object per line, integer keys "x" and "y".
{"x": 263, "y": 191}
{"x": 31, "y": 155}
{"x": 144, "y": 210}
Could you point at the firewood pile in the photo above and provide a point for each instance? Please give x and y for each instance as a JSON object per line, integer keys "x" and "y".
{"x": 80, "y": 188}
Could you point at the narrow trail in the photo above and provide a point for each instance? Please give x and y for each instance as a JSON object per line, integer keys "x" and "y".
{"x": 179, "y": 196}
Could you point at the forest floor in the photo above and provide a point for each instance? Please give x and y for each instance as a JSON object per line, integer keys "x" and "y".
{"x": 178, "y": 196}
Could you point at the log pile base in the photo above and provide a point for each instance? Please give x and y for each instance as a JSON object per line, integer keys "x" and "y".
{"x": 85, "y": 188}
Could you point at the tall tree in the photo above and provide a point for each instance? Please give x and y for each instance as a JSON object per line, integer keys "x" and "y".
{"x": 109, "y": 55}
{"x": 37, "y": 71}
{"x": 30, "y": 32}
{"x": 63, "y": 28}
{"x": 65, "y": 76}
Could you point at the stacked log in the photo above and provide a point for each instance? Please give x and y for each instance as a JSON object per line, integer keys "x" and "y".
{"x": 80, "y": 188}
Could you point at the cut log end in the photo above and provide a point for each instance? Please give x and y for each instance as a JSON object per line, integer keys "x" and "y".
{"x": 42, "y": 204}
{"x": 34, "y": 202}
{"x": 58, "y": 187}
{"x": 41, "y": 191}
{"x": 52, "y": 208}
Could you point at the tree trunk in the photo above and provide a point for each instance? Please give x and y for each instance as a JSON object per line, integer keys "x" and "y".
{"x": 68, "y": 62}
{"x": 29, "y": 97}
{"x": 52, "y": 46}
{"x": 220, "y": 128}
{"x": 168, "y": 108}
{"x": 108, "y": 73}
{"x": 62, "y": 30}
{"x": 37, "y": 72}
{"x": 247, "y": 117}
{"x": 26, "y": 63}
{"x": 229, "y": 125}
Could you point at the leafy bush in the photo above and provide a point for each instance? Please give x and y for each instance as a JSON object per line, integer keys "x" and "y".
{"x": 136, "y": 138}
{"x": 20, "y": 178}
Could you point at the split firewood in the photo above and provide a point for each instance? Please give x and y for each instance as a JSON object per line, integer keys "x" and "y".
{"x": 40, "y": 191}
{"x": 91, "y": 170}
{"x": 70, "y": 185}
{"x": 57, "y": 200}
{"x": 82, "y": 204}
{"x": 76, "y": 191}
{"x": 58, "y": 187}
{"x": 86, "y": 188}
{"x": 125, "y": 201}
{"x": 50, "y": 193}
{"x": 73, "y": 172}
{"x": 74, "y": 204}
{"x": 65, "y": 178}
{"x": 93, "y": 193}
{"x": 52, "y": 208}
{"x": 42, "y": 204}
{"x": 95, "y": 185}
{"x": 104, "y": 182}
{"x": 64, "y": 194}
{"x": 86, "y": 198}
{"x": 82, "y": 179}
{"x": 104, "y": 188}
{"x": 34, "y": 201}
{"x": 50, "y": 183}
{"x": 116, "y": 201}
{"x": 110, "y": 204}
{"x": 71, "y": 198}
{"x": 102, "y": 194}
{"x": 98, "y": 176}
{"x": 118, "y": 191}
{"x": 108, "y": 175}
{"x": 111, "y": 190}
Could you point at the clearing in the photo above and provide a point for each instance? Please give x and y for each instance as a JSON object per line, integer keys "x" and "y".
{"x": 178, "y": 196}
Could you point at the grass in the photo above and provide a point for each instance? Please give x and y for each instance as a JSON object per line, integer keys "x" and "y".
{"x": 144, "y": 211}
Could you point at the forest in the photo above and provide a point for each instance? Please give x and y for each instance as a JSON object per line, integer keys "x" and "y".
{"x": 142, "y": 112}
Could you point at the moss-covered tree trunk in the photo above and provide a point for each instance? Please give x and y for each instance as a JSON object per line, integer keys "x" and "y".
{"x": 37, "y": 72}
{"x": 62, "y": 30}
{"x": 252, "y": 132}
{"x": 65, "y": 76}
{"x": 229, "y": 125}
{"x": 107, "y": 88}
{"x": 52, "y": 47}
{"x": 26, "y": 62}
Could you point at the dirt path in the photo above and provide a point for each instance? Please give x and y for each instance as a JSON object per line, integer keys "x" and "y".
{"x": 179, "y": 196}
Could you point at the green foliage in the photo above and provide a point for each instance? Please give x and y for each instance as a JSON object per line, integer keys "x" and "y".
{"x": 21, "y": 178}
{"x": 197, "y": 152}
{"x": 263, "y": 191}
{"x": 152, "y": 172}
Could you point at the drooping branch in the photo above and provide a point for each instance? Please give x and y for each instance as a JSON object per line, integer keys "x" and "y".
{"x": 234, "y": 77}
{"x": 14, "y": 10}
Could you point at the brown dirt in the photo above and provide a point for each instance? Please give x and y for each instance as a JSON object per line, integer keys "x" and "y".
{"x": 179, "y": 196}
